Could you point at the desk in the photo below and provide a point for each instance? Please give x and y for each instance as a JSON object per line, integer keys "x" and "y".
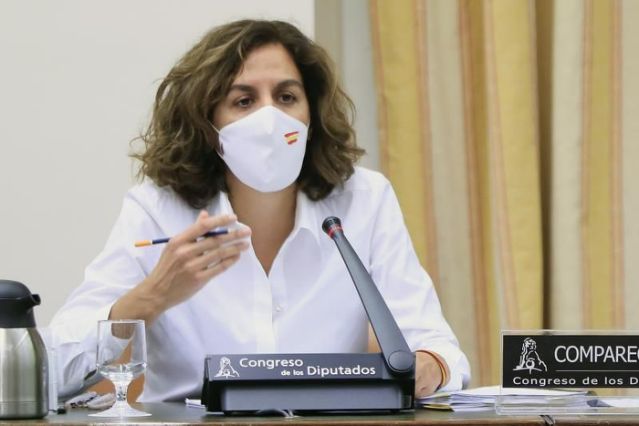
{"x": 596, "y": 420}
{"x": 178, "y": 414}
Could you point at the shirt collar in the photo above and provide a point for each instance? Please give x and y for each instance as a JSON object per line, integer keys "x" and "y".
{"x": 306, "y": 218}
{"x": 307, "y": 221}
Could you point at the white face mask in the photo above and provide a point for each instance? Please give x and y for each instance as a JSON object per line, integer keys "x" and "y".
{"x": 265, "y": 149}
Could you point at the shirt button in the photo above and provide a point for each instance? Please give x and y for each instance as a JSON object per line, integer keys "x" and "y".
{"x": 278, "y": 308}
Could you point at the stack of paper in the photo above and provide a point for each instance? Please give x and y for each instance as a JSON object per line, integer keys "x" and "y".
{"x": 193, "y": 403}
{"x": 483, "y": 398}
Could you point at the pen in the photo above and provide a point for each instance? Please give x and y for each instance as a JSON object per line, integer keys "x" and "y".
{"x": 144, "y": 243}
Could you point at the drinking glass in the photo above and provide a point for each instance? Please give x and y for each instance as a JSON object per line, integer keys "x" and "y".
{"x": 121, "y": 358}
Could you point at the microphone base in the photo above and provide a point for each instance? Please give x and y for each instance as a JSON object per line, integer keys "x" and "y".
{"x": 250, "y": 383}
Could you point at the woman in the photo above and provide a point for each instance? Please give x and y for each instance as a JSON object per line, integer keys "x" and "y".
{"x": 251, "y": 131}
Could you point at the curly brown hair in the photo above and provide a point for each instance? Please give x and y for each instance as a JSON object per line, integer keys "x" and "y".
{"x": 180, "y": 144}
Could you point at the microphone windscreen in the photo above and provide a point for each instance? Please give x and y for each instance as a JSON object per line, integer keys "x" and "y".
{"x": 330, "y": 223}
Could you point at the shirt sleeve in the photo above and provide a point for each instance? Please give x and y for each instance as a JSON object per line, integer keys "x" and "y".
{"x": 73, "y": 329}
{"x": 409, "y": 291}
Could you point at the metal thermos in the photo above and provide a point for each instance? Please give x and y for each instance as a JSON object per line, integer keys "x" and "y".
{"x": 23, "y": 356}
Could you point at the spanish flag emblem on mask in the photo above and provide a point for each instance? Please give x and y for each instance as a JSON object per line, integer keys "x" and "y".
{"x": 291, "y": 137}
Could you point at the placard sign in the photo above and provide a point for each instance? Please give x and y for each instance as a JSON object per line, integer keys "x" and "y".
{"x": 570, "y": 361}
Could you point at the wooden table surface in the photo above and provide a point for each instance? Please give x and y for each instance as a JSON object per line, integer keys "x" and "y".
{"x": 174, "y": 413}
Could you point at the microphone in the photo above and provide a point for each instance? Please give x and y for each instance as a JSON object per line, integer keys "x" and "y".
{"x": 395, "y": 350}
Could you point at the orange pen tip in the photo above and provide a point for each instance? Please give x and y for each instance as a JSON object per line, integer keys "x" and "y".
{"x": 143, "y": 243}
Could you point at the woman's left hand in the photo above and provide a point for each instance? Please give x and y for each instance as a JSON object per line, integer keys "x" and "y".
{"x": 428, "y": 375}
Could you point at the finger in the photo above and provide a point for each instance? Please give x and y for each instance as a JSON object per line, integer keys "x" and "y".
{"x": 202, "y": 225}
{"x": 211, "y": 243}
{"x": 217, "y": 255}
{"x": 233, "y": 234}
{"x": 425, "y": 386}
{"x": 423, "y": 391}
{"x": 206, "y": 274}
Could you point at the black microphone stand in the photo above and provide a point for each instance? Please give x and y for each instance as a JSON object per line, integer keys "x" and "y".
{"x": 397, "y": 355}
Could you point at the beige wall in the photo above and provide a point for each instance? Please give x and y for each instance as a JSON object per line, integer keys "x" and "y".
{"x": 76, "y": 84}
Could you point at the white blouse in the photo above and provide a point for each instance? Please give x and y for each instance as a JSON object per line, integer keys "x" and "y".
{"x": 307, "y": 303}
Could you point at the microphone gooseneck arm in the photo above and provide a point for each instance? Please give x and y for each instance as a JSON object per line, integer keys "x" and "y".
{"x": 395, "y": 350}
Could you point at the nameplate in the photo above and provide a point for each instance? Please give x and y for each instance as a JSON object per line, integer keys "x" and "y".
{"x": 548, "y": 360}
{"x": 294, "y": 366}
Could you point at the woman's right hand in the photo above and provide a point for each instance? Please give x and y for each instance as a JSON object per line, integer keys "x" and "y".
{"x": 187, "y": 263}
